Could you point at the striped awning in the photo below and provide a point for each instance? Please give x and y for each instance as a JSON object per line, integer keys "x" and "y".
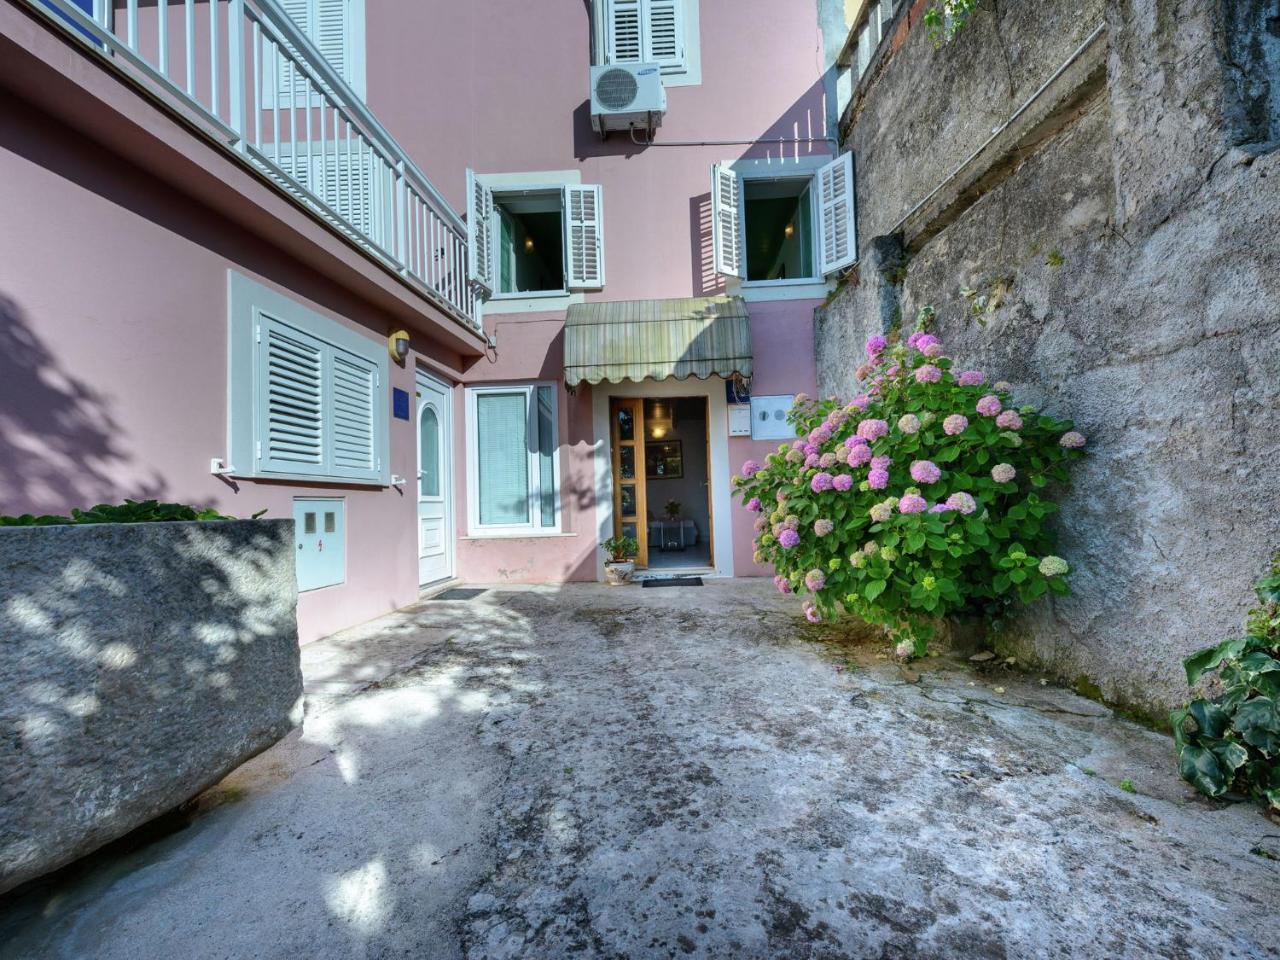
{"x": 655, "y": 339}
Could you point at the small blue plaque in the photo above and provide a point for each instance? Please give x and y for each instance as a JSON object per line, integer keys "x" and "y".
{"x": 400, "y": 403}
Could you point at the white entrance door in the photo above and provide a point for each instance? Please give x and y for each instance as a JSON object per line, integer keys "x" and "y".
{"x": 435, "y": 448}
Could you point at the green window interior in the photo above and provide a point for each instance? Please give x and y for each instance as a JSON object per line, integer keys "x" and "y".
{"x": 778, "y": 223}
{"x": 530, "y": 242}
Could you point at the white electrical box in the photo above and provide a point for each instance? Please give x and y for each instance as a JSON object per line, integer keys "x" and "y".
{"x": 769, "y": 417}
{"x": 739, "y": 420}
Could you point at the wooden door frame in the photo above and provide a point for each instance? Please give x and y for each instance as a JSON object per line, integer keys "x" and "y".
{"x": 641, "y": 517}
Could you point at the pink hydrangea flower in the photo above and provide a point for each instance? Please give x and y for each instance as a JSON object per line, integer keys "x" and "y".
{"x": 827, "y": 461}
{"x": 795, "y": 456}
{"x": 881, "y": 512}
{"x": 861, "y": 401}
{"x": 812, "y": 613}
{"x": 1003, "y": 472}
{"x": 933, "y": 350}
{"x": 815, "y": 580}
{"x": 783, "y": 585}
{"x": 820, "y": 434}
{"x": 925, "y": 471}
{"x": 860, "y": 456}
{"x": 1002, "y": 386}
{"x": 920, "y": 340}
{"x": 822, "y": 526}
{"x": 909, "y": 423}
{"x": 792, "y": 522}
{"x": 1009, "y": 420}
{"x": 1072, "y": 440}
{"x": 971, "y": 378}
{"x": 837, "y": 417}
{"x": 750, "y": 468}
{"x": 761, "y": 524}
{"x": 939, "y": 508}
{"x": 788, "y": 539}
{"x": 878, "y": 479}
{"x": 855, "y": 441}
{"x": 880, "y": 463}
{"x": 820, "y": 482}
{"x": 811, "y": 461}
{"x": 875, "y": 346}
{"x": 955, "y": 424}
{"x": 754, "y": 504}
{"x": 962, "y": 502}
{"x": 842, "y": 482}
{"x": 989, "y": 405}
{"x": 811, "y": 448}
{"x": 928, "y": 373}
{"x": 863, "y": 371}
{"x": 912, "y": 503}
{"x": 872, "y": 429}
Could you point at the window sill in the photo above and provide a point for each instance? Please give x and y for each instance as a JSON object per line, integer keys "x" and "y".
{"x": 519, "y": 535}
{"x": 507, "y": 303}
{"x": 310, "y": 479}
{"x": 763, "y": 290}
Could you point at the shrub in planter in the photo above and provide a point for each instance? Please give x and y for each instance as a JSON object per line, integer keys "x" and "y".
{"x": 1231, "y": 742}
{"x": 131, "y": 511}
{"x": 926, "y": 496}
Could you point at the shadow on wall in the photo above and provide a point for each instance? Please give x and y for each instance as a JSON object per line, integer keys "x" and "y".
{"x": 60, "y": 445}
{"x": 706, "y": 282}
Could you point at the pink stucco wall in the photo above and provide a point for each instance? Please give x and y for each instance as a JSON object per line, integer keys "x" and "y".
{"x": 502, "y": 88}
{"x": 113, "y": 356}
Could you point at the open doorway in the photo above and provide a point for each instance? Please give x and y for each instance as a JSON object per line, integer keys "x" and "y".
{"x": 662, "y": 480}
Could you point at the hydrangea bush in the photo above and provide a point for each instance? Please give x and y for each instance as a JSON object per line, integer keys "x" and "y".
{"x": 925, "y": 496}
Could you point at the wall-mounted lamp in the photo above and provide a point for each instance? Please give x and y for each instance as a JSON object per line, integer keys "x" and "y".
{"x": 528, "y": 244}
{"x": 789, "y": 230}
{"x": 398, "y": 345}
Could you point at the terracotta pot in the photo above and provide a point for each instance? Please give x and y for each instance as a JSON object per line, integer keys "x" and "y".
{"x": 618, "y": 572}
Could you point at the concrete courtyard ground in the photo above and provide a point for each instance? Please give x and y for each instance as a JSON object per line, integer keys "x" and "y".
{"x": 580, "y": 771}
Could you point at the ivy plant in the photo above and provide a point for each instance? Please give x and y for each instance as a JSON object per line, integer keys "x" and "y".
{"x": 946, "y": 18}
{"x": 1230, "y": 743}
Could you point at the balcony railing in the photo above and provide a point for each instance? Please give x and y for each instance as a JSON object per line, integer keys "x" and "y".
{"x": 260, "y": 86}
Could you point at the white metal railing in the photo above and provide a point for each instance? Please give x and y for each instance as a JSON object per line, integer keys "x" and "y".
{"x": 263, "y": 88}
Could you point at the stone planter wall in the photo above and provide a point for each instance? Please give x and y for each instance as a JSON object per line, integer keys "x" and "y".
{"x": 139, "y": 664}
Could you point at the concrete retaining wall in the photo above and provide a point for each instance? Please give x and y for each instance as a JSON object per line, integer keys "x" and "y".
{"x": 1137, "y": 242}
{"x": 139, "y": 664}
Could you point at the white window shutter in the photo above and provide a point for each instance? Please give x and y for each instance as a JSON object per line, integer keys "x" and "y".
{"x": 330, "y": 31}
{"x": 623, "y": 31}
{"x": 584, "y": 237}
{"x": 291, "y": 390}
{"x": 664, "y": 34}
{"x": 726, "y": 221}
{"x": 837, "y": 237}
{"x": 480, "y": 245}
{"x": 352, "y": 406}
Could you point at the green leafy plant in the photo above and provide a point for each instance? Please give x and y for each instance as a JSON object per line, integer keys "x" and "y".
{"x": 946, "y": 18}
{"x": 672, "y": 509}
{"x": 131, "y": 511}
{"x": 1231, "y": 742}
{"x": 927, "y": 496}
{"x": 620, "y": 549}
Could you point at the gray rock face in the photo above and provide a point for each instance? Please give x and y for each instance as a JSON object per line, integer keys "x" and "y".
{"x": 139, "y": 664}
{"x": 1140, "y": 247}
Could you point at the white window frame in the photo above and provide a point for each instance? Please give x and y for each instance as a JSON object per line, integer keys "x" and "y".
{"x": 356, "y": 74}
{"x": 689, "y": 76}
{"x": 801, "y": 169}
{"x": 498, "y": 185}
{"x": 248, "y": 302}
{"x": 534, "y": 527}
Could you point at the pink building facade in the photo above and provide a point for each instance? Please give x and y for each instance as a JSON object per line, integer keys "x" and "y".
{"x": 202, "y": 302}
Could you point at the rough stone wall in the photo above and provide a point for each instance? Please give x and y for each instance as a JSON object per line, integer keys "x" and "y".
{"x": 1140, "y": 243}
{"x": 139, "y": 664}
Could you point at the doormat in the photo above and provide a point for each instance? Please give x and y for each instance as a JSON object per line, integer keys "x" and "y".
{"x": 459, "y": 593}
{"x": 672, "y": 582}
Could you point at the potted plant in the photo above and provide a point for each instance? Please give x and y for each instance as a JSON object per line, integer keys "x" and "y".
{"x": 673, "y": 509}
{"x": 620, "y": 564}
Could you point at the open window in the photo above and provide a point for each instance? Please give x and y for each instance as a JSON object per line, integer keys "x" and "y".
{"x": 784, "y": 228}
{"x": 540, "y": 240}
{"x": 664, "y": 32}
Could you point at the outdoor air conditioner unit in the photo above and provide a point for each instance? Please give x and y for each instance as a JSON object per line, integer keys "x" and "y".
{"x": 627, "y": 96}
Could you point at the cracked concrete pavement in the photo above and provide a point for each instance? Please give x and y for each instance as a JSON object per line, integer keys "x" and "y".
{"x": 580, "y": 771}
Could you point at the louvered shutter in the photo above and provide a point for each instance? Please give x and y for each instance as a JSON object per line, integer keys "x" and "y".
{"x": 837, "y": 238}
{"x": 300, "y": 12}
{"x": 664, "y": 34}
{"x": 623, "y": 31}
{"x": 330, "y": 30}
{"x": 480, "y": 252}
{"x": 352, "y": 408}
{"x": 726, "y": 220}
{"x": 584, "y": 237}
{"x": 291, "y": 389}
